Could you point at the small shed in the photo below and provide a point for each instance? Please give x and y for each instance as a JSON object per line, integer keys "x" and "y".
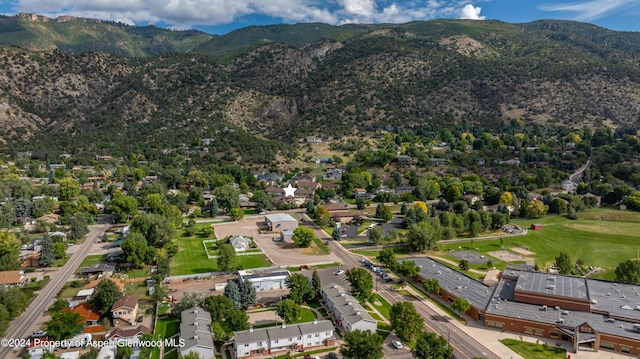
{"x": 536, "y": 226}
{"x": 286, "y": 235}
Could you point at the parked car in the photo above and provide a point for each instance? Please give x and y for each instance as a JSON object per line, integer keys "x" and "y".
{"x": 396, "y": 344}
{"x": 38, "y": 334}
{"x": 341, "y": 271}
{"x": 139, "y": 319}
{"x": 387, "y": 278}
{"x": 332, "y": 355}
{"x": 277, "y": 239}
{"x": 24, "y": 247}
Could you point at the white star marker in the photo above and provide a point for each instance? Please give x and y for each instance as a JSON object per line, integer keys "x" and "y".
{"x": 290, "y": 191}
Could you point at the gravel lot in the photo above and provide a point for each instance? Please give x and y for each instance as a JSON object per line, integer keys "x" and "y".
{"x": 280, "y": 253}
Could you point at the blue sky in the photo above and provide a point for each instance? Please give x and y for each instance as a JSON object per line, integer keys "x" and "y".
{"x": 222, "y": 16}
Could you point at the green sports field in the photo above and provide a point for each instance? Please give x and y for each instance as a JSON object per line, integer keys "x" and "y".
{"x": 600, "y": 238}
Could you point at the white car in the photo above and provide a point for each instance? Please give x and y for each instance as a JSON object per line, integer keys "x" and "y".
{"x": 396, "y": 344}
{"x": 341, "y": 271}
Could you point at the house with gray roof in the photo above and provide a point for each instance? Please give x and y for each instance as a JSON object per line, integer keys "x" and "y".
{"x": 278, "y": 340}
{"x": 195, "y": 330}
{"x": 240, "y": 243}
{"x": 347, "y": 310}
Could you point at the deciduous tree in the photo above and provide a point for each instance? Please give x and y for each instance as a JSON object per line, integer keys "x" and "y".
{"x": 303, "y": 236}
{"x": 226, "y": 258}
{"x": 431, "y": 346}
{"x": 63, "y": 325}
{"x": 387, "y": 257}
{"x": 299, "y": 288}
{"x": 106, "y": 293}
{"x": 360, "y": 344}
{"x": 361, "y": 283}
{"x": 460, "y": 305}
{"x": 628, "y": 271}
{"x": 406, "y": 321}
{"x": 288, "y": 310}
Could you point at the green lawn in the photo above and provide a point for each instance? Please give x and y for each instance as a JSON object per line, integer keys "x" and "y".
{"x": 165, "y": 328}
{"x": 534, "y": 351}
{"x": 384, "y": 308}
{"x": 600, "y": 238}
{"x": 321, "y": 246}
{"x": 306, "y": 315}
{"x": 191, "y": 258}
{"x": 93, "y": 259}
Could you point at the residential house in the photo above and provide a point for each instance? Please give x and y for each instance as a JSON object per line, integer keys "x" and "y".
{"x": 274, "y": 191}
{"x": 195, "y": 330}
{"x": 49, "y": 218}
{"x": 128, "y": 333}
{"x": 124, "y": 310}
{"x": 239, "y": 243}
{"x": 100, "y": 269}
{"x": 89, "y": 313}
{"x": 568, "y": 186}
{"x": 333, "y": 173}
{"x": 347, "y": 310}
{"x": 472, "y": 198}
{"x": 404, "y": 160}
{"x": 480, "y": 161}
{"x": 361, "y": 193}
{"x": 12, "y": 278}
{"x": 58, "y": 166}
{"x": 36, "y": 350}
{"x": 30, "y": 261}
{"x": 511, "y": 162}
{"x": 265, "y": 342}
{"x": 439, "y": 162}
{"x": 404, "y": 189}
{"x": 264, "y": 279}
{"x": 314, "y": 139}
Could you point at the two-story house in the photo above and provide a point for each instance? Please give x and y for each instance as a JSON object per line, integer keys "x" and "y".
{"x": 124, "y": 311}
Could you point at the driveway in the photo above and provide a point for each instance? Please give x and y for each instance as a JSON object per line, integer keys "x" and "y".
{"x": 280, "y": 253}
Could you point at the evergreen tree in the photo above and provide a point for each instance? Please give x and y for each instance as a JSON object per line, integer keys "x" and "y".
{"x": 336, "y": 234}
{"x": 47, "y": 255}
{"x": 316, "y": 283}
{"x": 247, "y": 294}
{"x": 232, "y": 292}
{"x": 213, "y": 207}
{"x": 403, "y": 208}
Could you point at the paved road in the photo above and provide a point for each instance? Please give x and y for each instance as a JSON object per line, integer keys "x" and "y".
{"x": 26, "y": 324}
{"x": 464, "y": 345}
{"x": 575, "y": 177}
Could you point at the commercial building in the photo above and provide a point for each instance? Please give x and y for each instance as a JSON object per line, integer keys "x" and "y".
{"x": 279, "y": 222}
{"x": 347, "y": 311}
{"x": 590, "y": 314}
{"x": 265, "y": 342}
{"x": 264, "y": 279}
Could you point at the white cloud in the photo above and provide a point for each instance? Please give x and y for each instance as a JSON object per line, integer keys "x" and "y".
{"x": 188, "y": 13}
{"x": 592, "y": 10}
{"x": 471, "y": 12}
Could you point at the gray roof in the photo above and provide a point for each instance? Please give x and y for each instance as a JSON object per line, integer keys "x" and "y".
{"x": 551, "y": 284}
{"x": 535, "y": 313}
{"x": 280, "y": 217}
{"x": 316, "y": 326}
{"x": 283, "y": 332}
{"x": 190, "y": 315}
{"x": 273, "y": 333}
{"x": 98, "y": 267}
{"x": 195, "y": 329}
{"x": 250, "y": 336}
{"x": 454, "y": 282}
{"x": 617, "y": 299}
{"x": 349, "y": 307}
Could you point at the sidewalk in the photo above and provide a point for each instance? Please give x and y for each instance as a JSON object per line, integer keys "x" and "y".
{"x": 490, "y": 338}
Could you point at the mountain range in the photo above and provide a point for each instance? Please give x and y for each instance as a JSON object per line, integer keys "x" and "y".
{"x": 81, "y": 85}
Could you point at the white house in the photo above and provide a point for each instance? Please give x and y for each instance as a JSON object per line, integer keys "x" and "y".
{"x": 568, "y": 186}
{"x": 264, "y": 279}
{"x": 239, "y": 243}
{"x": 195, "y": 329}
{"x": 279, "y": 340}
{"x": 349, "y": 313}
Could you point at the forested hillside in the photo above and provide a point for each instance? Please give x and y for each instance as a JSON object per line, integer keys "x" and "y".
{"x": 260, "y": 97}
